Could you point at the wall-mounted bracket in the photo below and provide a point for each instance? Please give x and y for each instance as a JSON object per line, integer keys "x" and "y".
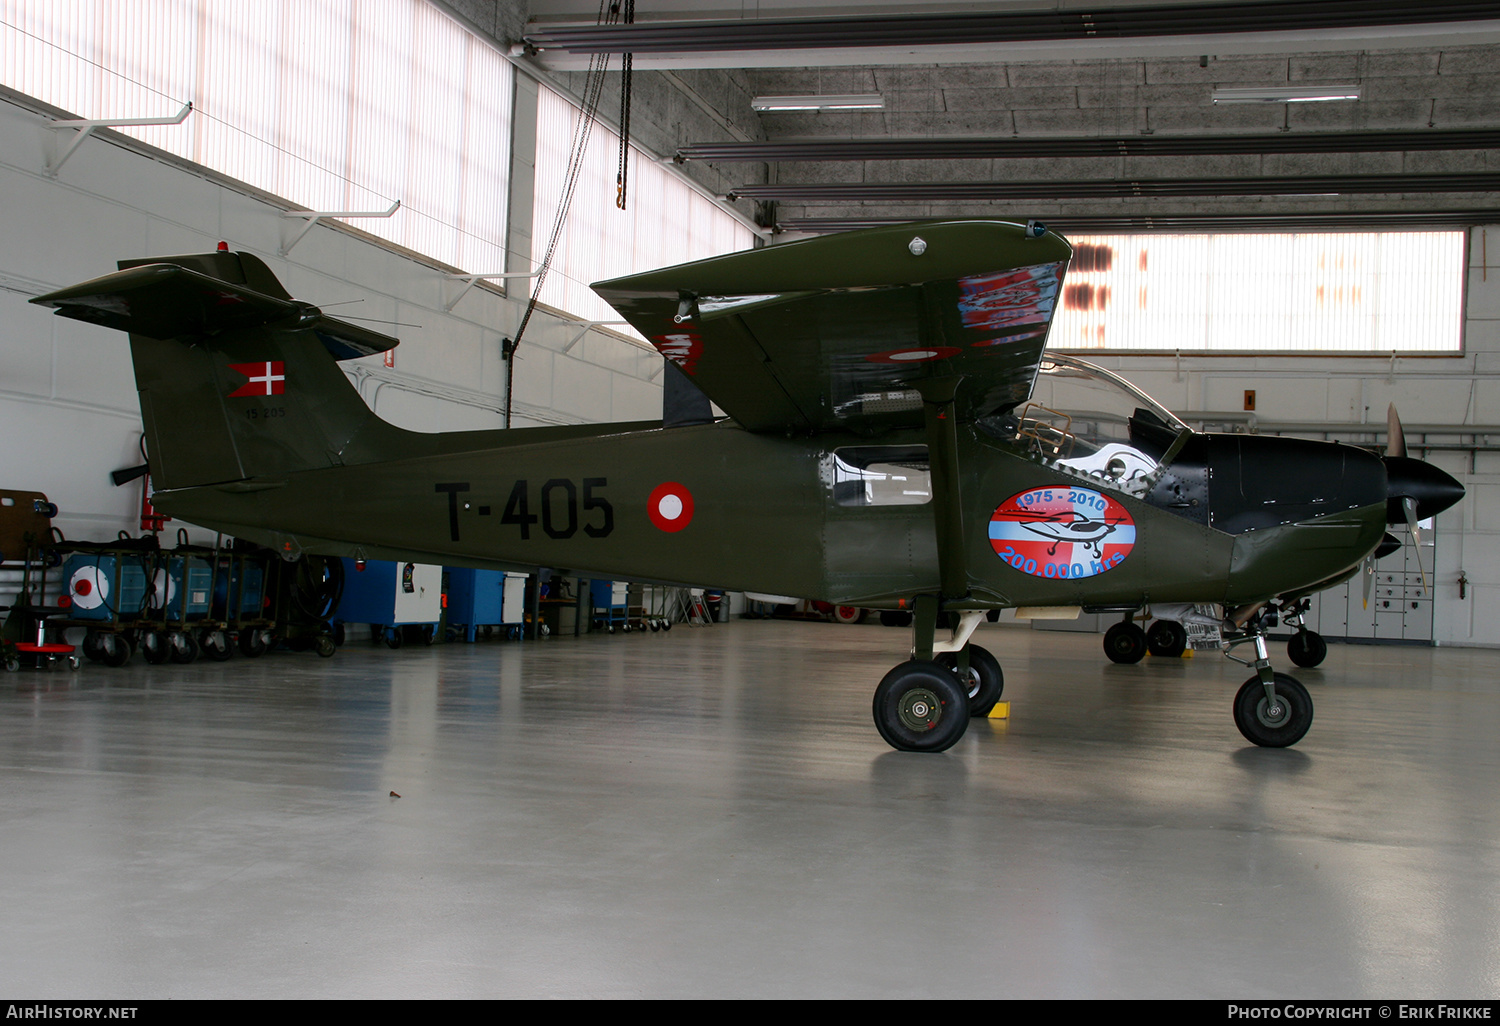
{"x": 85, "y": 128}
{"x": 312, "y": 217}
{"x": 584, "y": 328}
{"x": 470, "y": 280}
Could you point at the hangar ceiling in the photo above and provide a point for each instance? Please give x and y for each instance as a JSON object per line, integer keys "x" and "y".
{"x": 1093, "y": 116}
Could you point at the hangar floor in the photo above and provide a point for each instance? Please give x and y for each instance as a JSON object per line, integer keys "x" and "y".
{"x": 710, "y": 813}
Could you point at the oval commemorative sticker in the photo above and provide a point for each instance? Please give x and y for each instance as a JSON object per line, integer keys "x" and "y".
{"x": 1062, "y": 532}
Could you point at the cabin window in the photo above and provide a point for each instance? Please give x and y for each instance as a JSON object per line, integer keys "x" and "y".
{"x": 879, "y": 475}
{"x": 1292, "y": 292}
{"x": 1090, "y": 424}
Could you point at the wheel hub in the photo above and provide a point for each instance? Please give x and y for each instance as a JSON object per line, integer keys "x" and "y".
{"x": 920, "y": 709}
{"x": 1273, "y": 714}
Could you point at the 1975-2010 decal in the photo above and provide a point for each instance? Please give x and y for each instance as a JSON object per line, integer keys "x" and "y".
{"x": 1062, "y": 532}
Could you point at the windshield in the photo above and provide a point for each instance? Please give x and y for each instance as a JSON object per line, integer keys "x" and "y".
{"x": 1090, "y": 423}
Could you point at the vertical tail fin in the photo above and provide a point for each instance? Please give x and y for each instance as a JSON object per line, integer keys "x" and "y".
{"x": 237, "y": 380}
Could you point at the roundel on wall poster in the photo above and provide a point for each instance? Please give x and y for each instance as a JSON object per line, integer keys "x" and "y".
{"x": 670, "y": 506}
{"x": 1062, "y": 532}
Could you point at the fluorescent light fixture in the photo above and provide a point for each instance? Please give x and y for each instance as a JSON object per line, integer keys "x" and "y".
{"x": 1287, "y": 94}
{"x": 845, "y": 101}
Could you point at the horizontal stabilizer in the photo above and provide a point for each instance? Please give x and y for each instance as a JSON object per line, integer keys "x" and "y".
{"x": 169, "y": 301}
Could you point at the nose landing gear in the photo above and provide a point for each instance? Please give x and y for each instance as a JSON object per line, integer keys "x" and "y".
{"x": 1271, "y": 709}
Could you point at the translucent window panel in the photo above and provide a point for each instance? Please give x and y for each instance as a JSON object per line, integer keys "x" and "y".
{"x": 1320, "y": 292}
{"x": 665, "y": 222}
{"x": 330, "y": 104}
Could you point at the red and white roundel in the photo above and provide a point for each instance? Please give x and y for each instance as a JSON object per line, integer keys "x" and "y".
{"x": 670, "y": 506}
{"x": 1062, "y": 532}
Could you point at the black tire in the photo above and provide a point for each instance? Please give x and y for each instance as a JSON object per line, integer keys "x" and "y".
{"x": 181, "y": 647}
{"x": 253, "y": 644}
{"x": 154, "y": 647}
{"x": 91, "y": 647}
{"x": 1125, "y": 643}
{"x": 215, "y": 645}
{"x": 1253, "y": 717}
{"x": 921, "y": 707}
{"x": 1307, "y": 648}
{"x": 326, "y": 646}
{"x": 985, "y": 680}
{"x": 393, "y": 638}
{"x": 1166, "y": 639}
{"x": 895, "y": 618}
{"x": 114, "y": 650}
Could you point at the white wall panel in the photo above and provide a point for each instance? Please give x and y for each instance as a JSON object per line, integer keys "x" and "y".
{"x": 665, "y": 221}
{"x": 67, "y": 388}
{"x": 331, "y": 104}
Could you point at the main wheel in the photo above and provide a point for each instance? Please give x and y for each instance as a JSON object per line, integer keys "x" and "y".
{"x": 1125, "y": 643}
{"x": 1273, "y": 726}
{"x": 921, "y": 707}
{"x": 1307, "y": 648}
{"x": 1166, "y": 638}
{"x": 984, "y": 681}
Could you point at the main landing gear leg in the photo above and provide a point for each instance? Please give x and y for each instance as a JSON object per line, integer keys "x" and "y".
{"x": 924, "y": 704}
{"x": 1272, "y": 709}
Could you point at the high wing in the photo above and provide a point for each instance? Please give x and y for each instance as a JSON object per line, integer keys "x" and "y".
{"x": 166, "y": 300}
{"x": 840, "y": 332}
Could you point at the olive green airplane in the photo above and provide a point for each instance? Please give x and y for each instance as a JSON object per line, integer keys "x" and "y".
{"x": 897, "y": 438}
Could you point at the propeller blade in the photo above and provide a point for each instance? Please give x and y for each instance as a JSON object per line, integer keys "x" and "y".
{"x": 1395, "y": 438}
{"x": 1409, "y": 507}
{"x": 129, "y": 474}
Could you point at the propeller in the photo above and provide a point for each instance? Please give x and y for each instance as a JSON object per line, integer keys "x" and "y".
{"x": 1415, "y": 489}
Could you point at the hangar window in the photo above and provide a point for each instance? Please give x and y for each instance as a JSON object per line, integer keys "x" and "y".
{"x": 334, "y": 106}
{"x": 1310, "y": 292}
{"x": 880, "y": 475}
{"x": 666, "y": 221}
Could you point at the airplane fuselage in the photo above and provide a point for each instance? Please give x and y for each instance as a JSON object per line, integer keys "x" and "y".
{"x": 770, "y": 514}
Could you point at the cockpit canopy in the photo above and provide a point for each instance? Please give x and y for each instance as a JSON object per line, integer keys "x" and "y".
{"x": 1091, "y": 424}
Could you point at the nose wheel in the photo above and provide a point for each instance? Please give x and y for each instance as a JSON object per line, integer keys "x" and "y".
{"x": 1273, "y": 721}
{"x": 1271, "y": 709}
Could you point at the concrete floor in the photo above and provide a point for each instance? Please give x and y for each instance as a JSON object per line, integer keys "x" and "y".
{"x": 710, "y": 813}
